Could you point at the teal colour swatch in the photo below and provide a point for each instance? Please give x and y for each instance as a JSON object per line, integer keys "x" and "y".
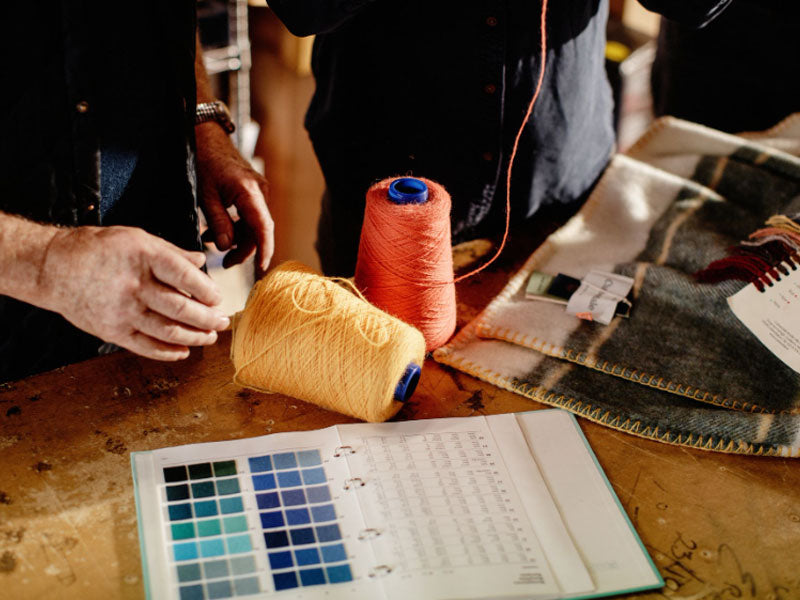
{"x": 183, "y": 531}
{"x": 207, "y": 528}
{"x": 235, "y": 524}
{"x": 231, "y": 505}
{"x": 239, "y": 543}
{"x": 185, "y": 551}
{"x": 211, "y": 548}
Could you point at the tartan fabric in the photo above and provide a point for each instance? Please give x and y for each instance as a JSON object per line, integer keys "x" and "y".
{"x": 682, "y": 369}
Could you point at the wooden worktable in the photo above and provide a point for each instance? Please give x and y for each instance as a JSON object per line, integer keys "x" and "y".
{"x": 718, "y": 526}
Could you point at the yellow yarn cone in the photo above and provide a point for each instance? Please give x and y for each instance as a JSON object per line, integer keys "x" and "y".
{"x": 306, "y": 336}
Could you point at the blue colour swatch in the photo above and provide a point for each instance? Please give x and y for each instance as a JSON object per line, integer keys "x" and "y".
{"x": 307, "y": 556}
{"x": 293, "y": 497}
{"x": 259, "y": 464}
{"x": 280, "y": 560}
{"x": 314, "y": 476}
{"x": 273, "y": 519}
{"x": 231, "y": 505}
{"x": 289, "y": 479}
{"x": 325, "y": 512}
{"x": 276, "y": 539}
{"x": 285, "y": 581}
{"x": 206, "y": 508}
{"x": 303, "y": 536}
{"x": 284, "y": 460}
{"x": 210, "y": 548}
{"x": 268, "y": 500}
{"x": 318, "y": 494}
{"x": 264, "y": 482}
{"x": 339, "y": 574}
{"x": 312, "y": 576}
{"x": 309, "y": 458}
{"x": 333, "y": 553}
{"x": 298, "y": 516}
{"x": 178, "y": 512}
{"x": 186, "y": 551}
{"x": 328, "y": 533}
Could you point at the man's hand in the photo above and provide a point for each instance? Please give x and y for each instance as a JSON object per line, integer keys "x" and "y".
{"x": 226, "y": 179}
{"x": 132, "y": 289}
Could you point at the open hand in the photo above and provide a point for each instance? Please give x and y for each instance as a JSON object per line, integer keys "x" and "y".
{"x": 133, "y": 289}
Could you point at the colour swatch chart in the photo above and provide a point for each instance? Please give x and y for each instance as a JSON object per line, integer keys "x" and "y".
{"x": 511, "y": 506}
{"x": 248, "y": 525}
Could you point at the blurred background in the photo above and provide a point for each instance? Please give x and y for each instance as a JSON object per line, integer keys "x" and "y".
{"x": 263, "y": 73}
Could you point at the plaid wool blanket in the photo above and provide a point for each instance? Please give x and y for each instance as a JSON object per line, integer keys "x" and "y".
{"x": 682, "y": 369}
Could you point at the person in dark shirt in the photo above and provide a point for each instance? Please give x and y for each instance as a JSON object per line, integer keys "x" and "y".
{"x": 738, "y": 73}
{"x": 439, "y": 89}
{"x": 99, "y": 169}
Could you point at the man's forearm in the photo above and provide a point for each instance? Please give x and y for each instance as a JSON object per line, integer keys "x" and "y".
{"x": 23, "y": 249}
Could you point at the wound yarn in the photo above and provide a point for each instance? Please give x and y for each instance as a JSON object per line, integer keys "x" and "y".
{"x": 405, "y": 256}
{"x": 405, "y": 260}
{"x": 304, "y": 335}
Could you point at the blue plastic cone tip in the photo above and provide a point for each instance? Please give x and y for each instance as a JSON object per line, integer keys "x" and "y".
{"x": 408, "y": 190}
{"x": 408, "y": 383}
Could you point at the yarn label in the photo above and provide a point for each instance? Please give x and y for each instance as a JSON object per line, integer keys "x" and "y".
{"x": 599, "y": 295}
{"x": 773, "y": 316}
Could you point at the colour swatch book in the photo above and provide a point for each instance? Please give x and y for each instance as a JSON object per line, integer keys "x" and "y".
{"x": 505, "y": 506}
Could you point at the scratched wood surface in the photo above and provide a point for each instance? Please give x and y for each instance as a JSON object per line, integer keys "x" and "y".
{"x": 718, "y": 526}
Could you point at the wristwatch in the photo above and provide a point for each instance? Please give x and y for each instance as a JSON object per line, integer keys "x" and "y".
{"x": 214, "y": 111}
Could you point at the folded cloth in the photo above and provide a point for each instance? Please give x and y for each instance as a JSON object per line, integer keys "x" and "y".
{"x": 682, "y": 369}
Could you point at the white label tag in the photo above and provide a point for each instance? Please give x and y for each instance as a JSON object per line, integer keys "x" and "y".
{"x": 773, "y": 316}
{"x": 598, "y": 296}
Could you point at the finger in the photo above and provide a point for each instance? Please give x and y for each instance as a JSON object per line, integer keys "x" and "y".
{"x": 144, "y": 345}
{"x": 219, "y": 221}
{"x": 171, "y": 269}
{"x": 166, "y": 330}
{"x": 182, "y": 309}
{"x": 245, "y": 246}
{"x": 252, "y": 207}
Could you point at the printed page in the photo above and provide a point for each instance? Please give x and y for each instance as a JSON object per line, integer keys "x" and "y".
{"x": 606, "y": 540}
{"x": 442, "y": 514}
{"x": 560, "y": 551}
{"x": 247, "y": 518}
{"x": 773, "y": 316}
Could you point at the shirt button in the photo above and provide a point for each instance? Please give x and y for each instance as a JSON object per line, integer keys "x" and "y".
{"x": 488, "y": 156}
{"x": 490, "y": 88}
{"x": 82, "y": 107}
{"x": 491, "y": 21}
{"x": 91, "y": 207}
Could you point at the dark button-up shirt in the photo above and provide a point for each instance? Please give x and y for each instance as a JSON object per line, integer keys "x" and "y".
{"x": 439, "y": 89}
{"x": 81, "y": 78}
